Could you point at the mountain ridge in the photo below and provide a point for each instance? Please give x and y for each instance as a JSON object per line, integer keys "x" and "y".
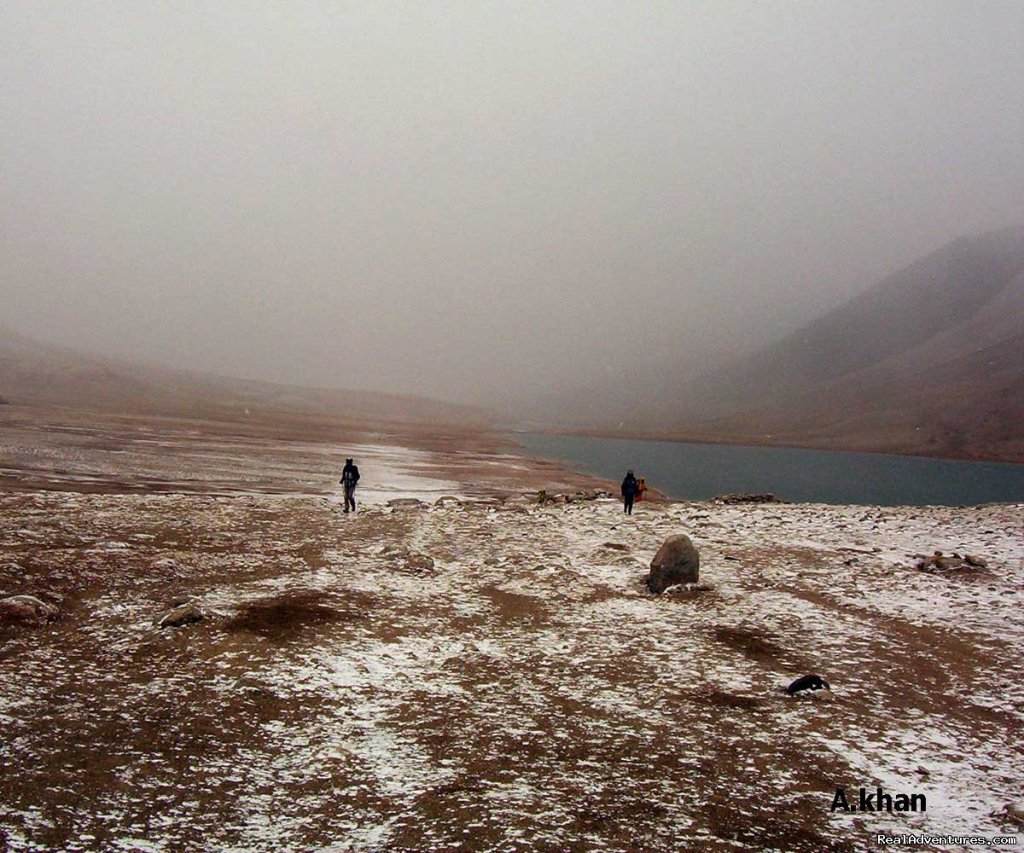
{"x": 927, "y": 361}
{"x": 33, "y": 373}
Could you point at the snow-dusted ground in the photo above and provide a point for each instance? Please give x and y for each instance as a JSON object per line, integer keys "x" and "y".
{"x": 523, "y": 692}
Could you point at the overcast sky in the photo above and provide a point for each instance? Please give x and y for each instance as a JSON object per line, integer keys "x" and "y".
{"x": 471, "y": 200}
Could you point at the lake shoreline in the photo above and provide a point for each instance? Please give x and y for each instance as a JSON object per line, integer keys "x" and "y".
{"x": 697, "y": 471}
{"x": 835, "y": 445}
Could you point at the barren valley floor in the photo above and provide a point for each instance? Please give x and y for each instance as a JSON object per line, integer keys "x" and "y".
{"x": 479, "y": 672}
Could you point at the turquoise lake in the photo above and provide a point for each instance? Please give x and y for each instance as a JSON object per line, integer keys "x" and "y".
{"x": 702, "y": 471}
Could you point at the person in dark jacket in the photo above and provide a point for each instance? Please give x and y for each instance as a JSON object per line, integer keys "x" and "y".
{"x": 629, "y": 485}
{"x": 349, "y": 478}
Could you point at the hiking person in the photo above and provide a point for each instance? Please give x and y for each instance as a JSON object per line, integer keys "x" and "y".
{"x": 629, "y": 485}
{"x": 641, "y": 487}
{"x": 349, "y": 478}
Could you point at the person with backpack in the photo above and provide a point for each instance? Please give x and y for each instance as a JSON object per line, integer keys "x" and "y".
{"x": 629, "y": 485}
{"x": 349, "y": 478}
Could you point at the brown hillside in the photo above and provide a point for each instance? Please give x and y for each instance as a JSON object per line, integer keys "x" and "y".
{"x": 35, "y": 374}
{"x": 930, "y": 360}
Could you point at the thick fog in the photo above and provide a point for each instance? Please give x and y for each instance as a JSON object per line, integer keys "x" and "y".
{"x": 482, "y": 201}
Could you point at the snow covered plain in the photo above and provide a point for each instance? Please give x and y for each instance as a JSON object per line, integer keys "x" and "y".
{"x": 518, "y": 690}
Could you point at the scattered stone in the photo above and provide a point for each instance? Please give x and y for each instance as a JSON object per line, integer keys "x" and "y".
{"x": 592, "y": 495}
{"x": 1014, "y": 812}
{"x": 26, "y": 610}
{"x": 747, "y": 499}
{"x": 405, "y": 502}
{"x": 185, "y": 614}
{"x": 167, "y": 566}
{"x": 444, "y": 500}
{"x": 689, "y": 590}
{"x": 408, "y": 560}
{"x": 677, "y": 561}
{"x": 955, "y": 563}
{"x": 614, "y": 546}
{"x": 419, "y": 563}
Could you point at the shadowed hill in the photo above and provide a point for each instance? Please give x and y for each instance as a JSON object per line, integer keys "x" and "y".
{"x": 930, "y": 360}
{"x": 938, "y": 294}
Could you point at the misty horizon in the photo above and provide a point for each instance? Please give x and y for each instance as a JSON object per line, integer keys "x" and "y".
{"x": 483, "y": 204}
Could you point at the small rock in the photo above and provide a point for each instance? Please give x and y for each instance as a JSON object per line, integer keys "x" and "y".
{"x": 185, "y": 614}
{"x": 167, "y": 566}
{"x": 405, "y": 502}
{"x": 677, "y": 561}
{"x": 747, "y": 499}
{"x": 938, "y": 563}
{"x": 27, "y": 610}
{"x": 419, "y": 563}
{"x": 447, "y": 499}
{"x": 614, "y": 546}
{"x": 405, "y": 559}
{"x": 1014, "y": 812}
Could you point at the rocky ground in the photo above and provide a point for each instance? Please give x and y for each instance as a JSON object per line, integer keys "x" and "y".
{"x": 480, "y": 673}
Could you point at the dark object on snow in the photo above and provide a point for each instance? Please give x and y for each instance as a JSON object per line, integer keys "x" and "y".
{"x": 677, "y": 561}
{"x": 747, "y": 499}
{"x": 807, "y": 682}
{"x": 628, "y": 489}
{"x": 349, "y": 479}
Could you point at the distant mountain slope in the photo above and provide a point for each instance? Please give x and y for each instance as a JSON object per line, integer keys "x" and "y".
{"x": 32, "y": 373}
{"x": 930, "y": 360}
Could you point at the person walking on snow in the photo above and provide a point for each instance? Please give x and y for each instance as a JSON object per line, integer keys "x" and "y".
{"x": 629, "y": 485}
{"x": 349, "y": 478}
{"x": 641, "y": 487}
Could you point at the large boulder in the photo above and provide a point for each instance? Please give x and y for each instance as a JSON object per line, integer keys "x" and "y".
{"x": 677, "y": 561}
{"x": 27, "y": 610}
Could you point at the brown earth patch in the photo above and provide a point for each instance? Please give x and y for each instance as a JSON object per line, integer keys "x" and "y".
{"x": 766, "y": 830}
{"x": 283, "y": 617}
{"x": 723, "y": 699}
{"x": 514, "y": 607}
{"x": 754, "y": 644}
